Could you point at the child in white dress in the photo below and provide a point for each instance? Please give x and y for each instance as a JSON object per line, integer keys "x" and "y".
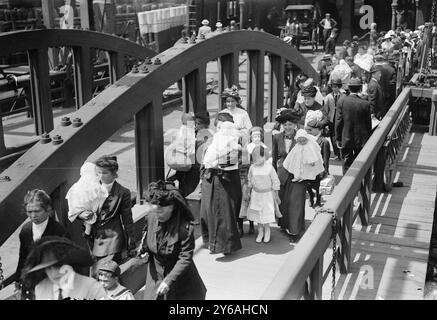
{"x": 304, "y": 161}
{"x": 264, "y": 185}
{"x": 87, "y": 194}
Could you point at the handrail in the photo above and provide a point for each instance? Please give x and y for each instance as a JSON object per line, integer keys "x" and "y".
{"x": 16, "y": 41}
{"x": 291, "y": 278}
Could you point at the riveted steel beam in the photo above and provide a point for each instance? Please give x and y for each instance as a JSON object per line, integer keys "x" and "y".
{"x": 194, "y": 90}
{"x": 276, "y": 84}
{"x": 228, "y": 72}
{"x": 255, "y": 86}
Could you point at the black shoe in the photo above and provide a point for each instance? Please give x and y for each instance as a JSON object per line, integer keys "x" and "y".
{"x": 251, "y": 229}
{"x": 241, "y": 232}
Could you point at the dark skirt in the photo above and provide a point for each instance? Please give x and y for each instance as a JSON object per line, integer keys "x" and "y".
{"x": 293, "y": 195}
{"x": 219, "y": 210}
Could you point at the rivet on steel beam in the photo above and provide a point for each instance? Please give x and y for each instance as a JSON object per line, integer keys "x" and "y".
{"x": 148, "y": 60}
{"x": 45, "y": 138}
{"x": 57, "y": 139}
{"x": 5, "y": 179}
{"x": 144, "y": 69}
{"x": 77, "y": 122}
{"x": 157, "y": 61}
{"x": 65, "y": 121}
{"x": 134, "y": 69}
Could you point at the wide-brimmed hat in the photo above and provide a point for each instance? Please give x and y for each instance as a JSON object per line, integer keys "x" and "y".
{"x": 309, "y": 91}
{"x": 355, "y": 82}
{"x": 288, "y": 115}
{"x": 205, "y": 22}
{"x": 51, "y": 250}
{"x": 337, "y": 82}
{"x": 231, "y": 92}
{"x": 165, "y": 193}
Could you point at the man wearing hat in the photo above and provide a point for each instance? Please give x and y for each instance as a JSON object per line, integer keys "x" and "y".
{"x": 109, "y": 274}
{"x": 331, "y": 102}
{"x": 327, "y": 24}
{"x": 204, "y": 29}
{"x": 353, "y": 124}
{"x": 310, "y": 103}
{"x": 387, "y": 45}
{"x": 388, "y": 79}
{"x": 375, "y": 94}
{"x": 343, "y": 51}
{"x": 51, "y": 266}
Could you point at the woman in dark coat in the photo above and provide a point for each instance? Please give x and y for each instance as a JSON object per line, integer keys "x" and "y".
{"x": 292, "y": 194}
{"x": 221, "y": 201}
{"x": 168, "y": 240}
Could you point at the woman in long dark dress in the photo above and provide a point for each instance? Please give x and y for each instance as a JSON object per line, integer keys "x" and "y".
{"x": 221, "y": 200}
{"x": 292, "y": 194}
{"x": 168, "y": 240}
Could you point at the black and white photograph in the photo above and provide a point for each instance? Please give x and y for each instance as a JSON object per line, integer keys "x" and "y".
{"x": 222, "y": 155}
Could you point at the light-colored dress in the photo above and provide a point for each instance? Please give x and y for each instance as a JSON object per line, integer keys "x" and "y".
{"x": 263, "y": 181}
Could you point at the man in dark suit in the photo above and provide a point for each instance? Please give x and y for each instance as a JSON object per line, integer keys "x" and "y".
{"x": 353, "y": 124}
{"x": 375, "y": 94}
{"x": 39, "y": 208}
{"x": 387, "y": 81}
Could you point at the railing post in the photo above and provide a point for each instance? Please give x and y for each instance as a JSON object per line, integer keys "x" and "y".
{"x": 276, "y": 84}
{"x": 40, "y": 90}
{"x": 379, "y": 167}
{"x": 148, "y": 142}
{"x": 433, "y": 116}
{"x": 228, "y": 73}
{"x": 194, "y": 90}
{"x": 83, "y": 75}
{"x": 255, "y": 87}
{"x": 346, "y": 238}
{"x": 115, "y": 66}
{"x": 316, "y": 280}
{"x": 2, "y": 137}
{"x": 366, "y": 196}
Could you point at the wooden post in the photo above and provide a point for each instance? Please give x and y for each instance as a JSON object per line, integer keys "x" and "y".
{"x": 394, "y": 6}
{"x": 255, "y": 87}
{"x": 433, "y": 115}
{"x": 228, "y": 73}
{"x": 48, "y": 14}
{"x": 83, "y": 75}
{"x": 276, "y": 85}
{"x": 194, "y": 90}
{"x": 40, "y": 90}
{"x": 86, "y": 14}
{"x": 345, "y": 238}
{"x": 115, "y": 66}
{"x": 366, "y": 196}
{"x": 316, "y": 280}
{"x": 2, "y": 137}
{"x": 148, "y": 143}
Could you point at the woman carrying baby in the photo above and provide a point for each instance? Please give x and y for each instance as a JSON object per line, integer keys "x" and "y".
{"x": 112, "y": 233}
{"x": 221, "y": 189}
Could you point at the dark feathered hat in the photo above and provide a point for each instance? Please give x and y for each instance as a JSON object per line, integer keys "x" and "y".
{"x": 309, "y": 91}
{"x": 165, "y": 193}
{"x": 288, "y": 115}
{"x": 231, "y": 92}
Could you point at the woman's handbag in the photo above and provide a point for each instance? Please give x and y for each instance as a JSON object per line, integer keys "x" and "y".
{"x": 178, "y": 159}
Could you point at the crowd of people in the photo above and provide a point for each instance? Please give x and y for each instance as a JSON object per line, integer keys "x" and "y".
{"x": 240, "y": 179}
